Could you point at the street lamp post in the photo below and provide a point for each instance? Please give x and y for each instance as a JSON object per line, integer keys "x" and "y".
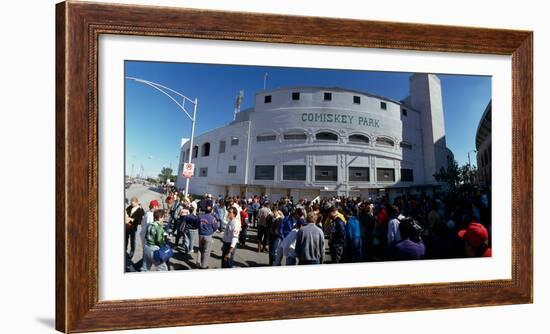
{"x": 166, "y": 91}
{"x": 470, "y": 166}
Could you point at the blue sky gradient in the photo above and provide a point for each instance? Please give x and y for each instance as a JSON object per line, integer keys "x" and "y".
{"x": 155, "y": 125}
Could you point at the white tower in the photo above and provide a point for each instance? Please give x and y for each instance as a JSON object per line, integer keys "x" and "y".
{"x": 425, "y": 96}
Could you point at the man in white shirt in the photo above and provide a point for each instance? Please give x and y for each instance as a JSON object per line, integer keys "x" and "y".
{"x": 230, "y": 237}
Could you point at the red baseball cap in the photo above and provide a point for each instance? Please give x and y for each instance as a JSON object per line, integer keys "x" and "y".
{"x": 154, "y": 203}
{"x": 475, "y": 234}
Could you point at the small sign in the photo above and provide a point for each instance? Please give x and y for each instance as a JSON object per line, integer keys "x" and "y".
{"x": 188, "y": 170}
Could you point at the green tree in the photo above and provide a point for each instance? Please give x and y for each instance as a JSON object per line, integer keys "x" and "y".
{"x": 165, "y": 174}
{"x": 455, "y": 175}
{"x": 451, "y": 175}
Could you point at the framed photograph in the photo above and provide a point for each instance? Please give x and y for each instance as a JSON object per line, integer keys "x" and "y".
{"x": 216, "y": 162}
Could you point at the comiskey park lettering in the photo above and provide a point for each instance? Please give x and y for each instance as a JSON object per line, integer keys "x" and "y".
{"x": 339, "y": 118}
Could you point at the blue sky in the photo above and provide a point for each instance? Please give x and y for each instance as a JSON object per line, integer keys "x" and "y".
{"x": 155, "y": 125}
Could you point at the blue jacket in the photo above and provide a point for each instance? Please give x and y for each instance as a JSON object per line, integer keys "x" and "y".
{"x": 191, "y": 222}
{"x": 353, "y": 228}
{"x": 287, "y": 225}
{"x": 337, "y": 231}
{"x": 208, "y": 224}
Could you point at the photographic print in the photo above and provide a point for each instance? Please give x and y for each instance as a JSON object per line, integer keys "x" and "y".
{"x": 347, "y": 152}
{"x": 231, "y": 166}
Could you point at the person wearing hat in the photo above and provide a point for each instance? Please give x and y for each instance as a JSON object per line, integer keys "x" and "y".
{"x": 476, "y": 238}
{"x": 411, "y": 246}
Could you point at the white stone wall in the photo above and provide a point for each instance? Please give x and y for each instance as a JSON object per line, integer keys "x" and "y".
{"x": 284, "y": 115}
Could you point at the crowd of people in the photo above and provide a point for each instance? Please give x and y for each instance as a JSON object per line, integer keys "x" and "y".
{"x": 297, "y": 232}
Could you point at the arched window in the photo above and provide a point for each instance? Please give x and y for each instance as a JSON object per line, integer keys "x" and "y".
{"x": 383, "y": 141}
{"x": 295, "y": 135}
{"x": 195, "y": 151}
{"x": 205, "y": 149}
{"x": 359, "y": 139}
{"x": 326, "y": 136}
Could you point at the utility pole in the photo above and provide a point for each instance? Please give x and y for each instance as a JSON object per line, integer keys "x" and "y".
{"x": 168, "y": 92}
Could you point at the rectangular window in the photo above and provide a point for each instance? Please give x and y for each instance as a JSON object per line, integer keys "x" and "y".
{"x": 360, "y": 174}
{"x": 385, "y": 174}
{"x": 267, "y": 99}
{"x": 328, "y": 96}
{"x": 406, "y": 145}
{"x": 295, "y": 136}
{"x": 264, "y": 172}
{"x": 232, "y": 170}
{"x": 404, "y": 111}
{"x": 266, "y": 138}
{"x": 195, "y": 151}
{"x": 295, "y": 96}
{"x": 407, "y": 175}
{"x": 295, "y": 173}
{"x": 383, "y": 105}
{"x": 203, "y": 172}
{"x": 326, "y": 173}
{"x": 234, "y": 141}
{"x": 357, "y": 99}
{"x": 222, "y": 146}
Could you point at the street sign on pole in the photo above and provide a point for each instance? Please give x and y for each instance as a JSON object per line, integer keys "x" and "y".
{"x": 188, "y": 170}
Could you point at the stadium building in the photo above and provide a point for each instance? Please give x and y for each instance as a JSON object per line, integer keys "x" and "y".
{"x": 311, "y": 141}
{"x": 483, "y": 147}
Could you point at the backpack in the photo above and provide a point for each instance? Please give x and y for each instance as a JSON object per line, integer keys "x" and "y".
{"x": 163, "y": 254}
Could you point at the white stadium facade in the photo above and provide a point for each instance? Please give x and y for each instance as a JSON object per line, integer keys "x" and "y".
{"x": 319, "y": 141}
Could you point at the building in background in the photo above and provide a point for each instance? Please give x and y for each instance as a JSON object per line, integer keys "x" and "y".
{"x": 310, "y": 141}
{"x": 483, "y": 147}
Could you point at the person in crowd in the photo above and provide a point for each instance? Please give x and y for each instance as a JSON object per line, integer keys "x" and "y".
{"x": 410, "y": 247}
{"x": 135, "y": 214}
{"x": 244, "y": 217}
{"x": 155, "y": 238}
{"x": 193, "y": 204}
{"x": 476, "y": 238}
{"x": 310, "y": 242}
{"x": 261, "y": 218}
{"x": 253, "y": 209}
{"x": 316, "y": 209}
{"x": 290, "y": 221}
{"x": 208, "y": 225}
{"x": 287, "y": 248}
{"x": 230, "y": 238}
{"x": 381, "y": 230}
{"x": 190, "y": 227}
{"x": 367, "y": 221}
{"x": 147, "y": 219}
{"x": 274, "y": 223}
{"x": 205, "y": 202}
{"x": 393, "y": 226}
{"x": 336, "y": 235}
{"x": 353, "y": 237}
{"x": 220, "y": 212}
{"x": 285, "y": 206}
{"x": 179, "y": 217}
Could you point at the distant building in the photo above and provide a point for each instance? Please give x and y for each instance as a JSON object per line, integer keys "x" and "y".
{"x": 311, "y": 141}
{"x": 483, "y": 147}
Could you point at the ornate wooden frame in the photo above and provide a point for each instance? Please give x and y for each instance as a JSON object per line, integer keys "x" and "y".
{"x": 78, "y": 26}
